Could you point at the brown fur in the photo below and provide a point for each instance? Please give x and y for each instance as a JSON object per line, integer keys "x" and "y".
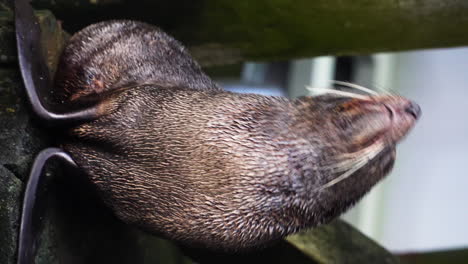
{"x": 176, "y": 155}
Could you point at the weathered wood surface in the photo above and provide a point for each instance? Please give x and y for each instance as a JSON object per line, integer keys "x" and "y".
{"x": 449, "y": 256}
{"x": 226, "y": 31}
{"x": 338, "y": 242}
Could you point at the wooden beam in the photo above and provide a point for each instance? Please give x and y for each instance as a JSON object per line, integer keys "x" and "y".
{"x": 225, "y": 31}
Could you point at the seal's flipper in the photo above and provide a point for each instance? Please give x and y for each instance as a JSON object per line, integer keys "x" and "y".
{"x": 34, "y": 68}
{"x": 30, "y": 214}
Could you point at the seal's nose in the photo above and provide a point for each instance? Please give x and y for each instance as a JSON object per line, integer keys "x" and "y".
{"x": 413, "y": 109}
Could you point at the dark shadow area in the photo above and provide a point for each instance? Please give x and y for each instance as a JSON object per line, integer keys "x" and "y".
{"x": 78, "y": 14}
{"x": 281, "y": 252}
{"x": 80, "y": 229}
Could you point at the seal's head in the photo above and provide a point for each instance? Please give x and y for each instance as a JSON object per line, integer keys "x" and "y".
{"x": 353, "y": 139}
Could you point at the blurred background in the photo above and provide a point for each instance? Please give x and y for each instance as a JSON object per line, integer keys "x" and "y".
{"x": 421, "y": 205}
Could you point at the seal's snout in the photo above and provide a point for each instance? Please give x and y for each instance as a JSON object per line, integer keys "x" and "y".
{"x": 404, "y": 114}
{"x": 387, "y": 118}
{"x": 413, "y": 109}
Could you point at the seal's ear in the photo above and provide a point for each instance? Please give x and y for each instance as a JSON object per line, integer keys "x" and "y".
{"x": 34, "y": 68}
{"x": 32, "y": 208}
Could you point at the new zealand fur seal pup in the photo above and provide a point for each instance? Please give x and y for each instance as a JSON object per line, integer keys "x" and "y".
{"x": 174, "y": 154}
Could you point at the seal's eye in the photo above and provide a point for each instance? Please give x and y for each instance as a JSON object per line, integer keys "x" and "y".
{"x": 390, "y": 111}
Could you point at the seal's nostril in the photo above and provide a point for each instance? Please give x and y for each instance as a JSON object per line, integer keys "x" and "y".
{"x": 413, "y": 109}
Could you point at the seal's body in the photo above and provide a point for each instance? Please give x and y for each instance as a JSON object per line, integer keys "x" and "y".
{"x": 176, "y": 155}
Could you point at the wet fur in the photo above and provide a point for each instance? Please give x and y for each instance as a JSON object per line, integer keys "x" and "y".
{"x": 213, "y": 168}
{"x": 175, "y": 155}
{"x": 124, "y": 53}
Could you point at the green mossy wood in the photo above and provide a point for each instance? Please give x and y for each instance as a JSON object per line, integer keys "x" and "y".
{"x": 226, "y": 31}
{"x": 450, "y": 256}
{"x": 338, "y": 242}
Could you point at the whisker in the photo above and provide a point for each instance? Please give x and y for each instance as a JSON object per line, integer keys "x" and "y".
{"x": 342, "y": 176}
{"x": 361, "y": 162}
{"x": 353, "y": 157}
{"x": 384, "y": 91}
{"x": 355, "y": 86}
{"x": 344, "y": 165}
{"x": 351, "y": 164}
{"x": 336, "y": 92}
